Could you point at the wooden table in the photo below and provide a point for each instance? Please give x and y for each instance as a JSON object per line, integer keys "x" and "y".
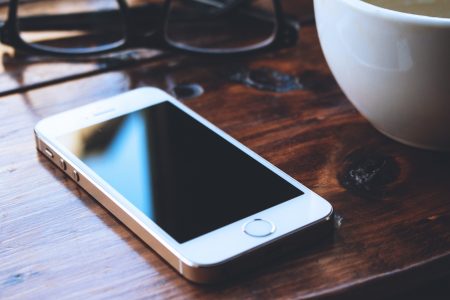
{"x": 392, "y": 234}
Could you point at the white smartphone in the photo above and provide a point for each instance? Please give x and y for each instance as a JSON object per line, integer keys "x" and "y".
{"x": 207, "y": 204}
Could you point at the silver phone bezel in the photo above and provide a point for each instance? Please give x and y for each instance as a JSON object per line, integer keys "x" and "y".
{"x": 222, "y": 244}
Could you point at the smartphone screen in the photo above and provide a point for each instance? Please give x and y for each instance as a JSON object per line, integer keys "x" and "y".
{"x": 178, "y": 172}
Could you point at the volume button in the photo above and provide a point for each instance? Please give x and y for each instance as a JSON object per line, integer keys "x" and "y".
{"x": 75, "y": 175}
{"x": 62, "y": 164}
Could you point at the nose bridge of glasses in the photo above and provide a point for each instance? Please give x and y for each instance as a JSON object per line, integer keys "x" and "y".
{"x": 226, "y": 6}
{"x": 144, "y": 18}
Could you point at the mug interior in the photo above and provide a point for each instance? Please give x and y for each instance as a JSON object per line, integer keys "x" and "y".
{"x": 385, "y": 9}
{"x": 431, "y": 8}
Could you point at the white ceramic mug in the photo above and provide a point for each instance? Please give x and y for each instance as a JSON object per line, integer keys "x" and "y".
{"x": 393, "y": 66}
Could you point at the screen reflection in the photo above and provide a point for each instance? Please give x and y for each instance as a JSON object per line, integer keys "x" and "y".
{"x": 178, "y": 172}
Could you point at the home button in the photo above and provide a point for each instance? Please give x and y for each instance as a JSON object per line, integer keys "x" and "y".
{"x": 259, "y": 228}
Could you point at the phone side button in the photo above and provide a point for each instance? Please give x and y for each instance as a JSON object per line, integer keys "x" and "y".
{"x": 62, "y": 164}
{"x": 75, "y": 175}
{"x": 48, "y": 153}
{"x": 259, "y": 228}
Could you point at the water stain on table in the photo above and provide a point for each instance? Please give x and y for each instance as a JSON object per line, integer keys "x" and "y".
{"x": 368, "y": 173}
{"x": 267, "y": 79}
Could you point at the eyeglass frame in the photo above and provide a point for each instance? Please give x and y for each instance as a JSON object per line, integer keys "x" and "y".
{"x": 286, "y": 34}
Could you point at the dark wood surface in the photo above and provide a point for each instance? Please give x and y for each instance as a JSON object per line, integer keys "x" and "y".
{"x": 392, "y": 236}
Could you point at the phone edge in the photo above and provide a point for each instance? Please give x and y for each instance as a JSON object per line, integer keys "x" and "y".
{"x": 197, "y": 274}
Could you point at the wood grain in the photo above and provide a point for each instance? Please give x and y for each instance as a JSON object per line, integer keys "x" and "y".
{"x": 56, "y": 242}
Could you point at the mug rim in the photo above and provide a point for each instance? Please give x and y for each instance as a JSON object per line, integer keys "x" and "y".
{"x": 381, "y": 12}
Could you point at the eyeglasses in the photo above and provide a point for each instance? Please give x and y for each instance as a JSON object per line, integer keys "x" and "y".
{"x": 86, "y": 27}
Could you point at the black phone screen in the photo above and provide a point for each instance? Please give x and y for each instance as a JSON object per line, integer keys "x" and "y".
{"x": 178, "y": 172}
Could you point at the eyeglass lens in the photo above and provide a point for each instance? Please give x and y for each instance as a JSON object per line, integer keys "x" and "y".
{"x": 59, "y": 25}
{"x": 221, "y": 25}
